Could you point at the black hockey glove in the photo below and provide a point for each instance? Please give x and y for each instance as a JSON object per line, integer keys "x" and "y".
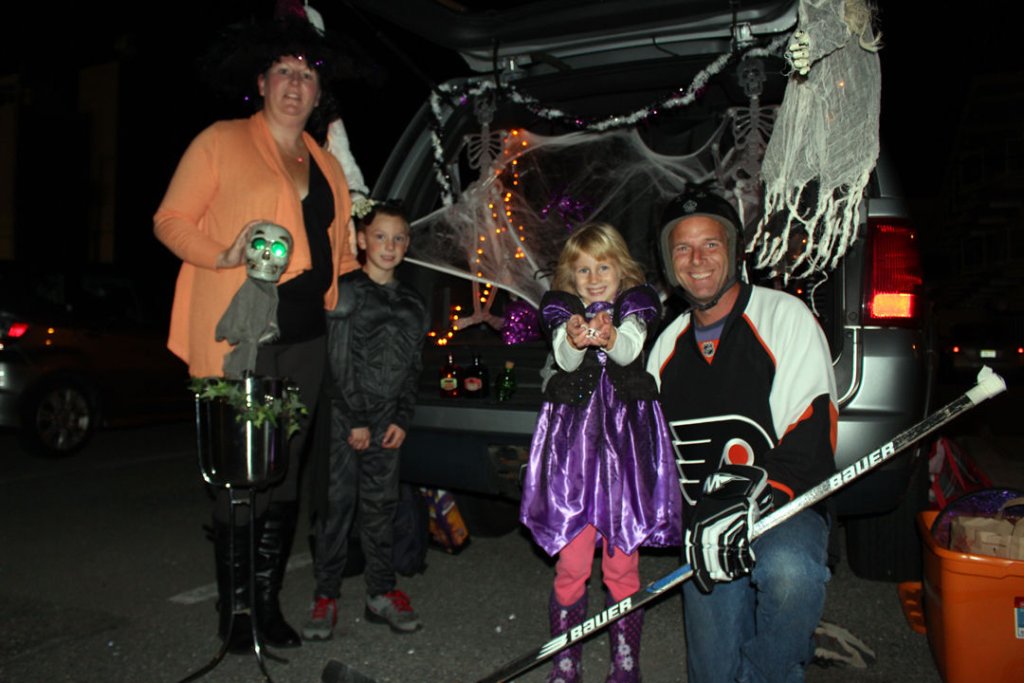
{"x": 718, "y": 534}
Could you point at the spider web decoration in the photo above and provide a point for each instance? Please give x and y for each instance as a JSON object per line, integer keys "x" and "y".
{"x": 508, "y": 226}
{"x": 452, "y": 95}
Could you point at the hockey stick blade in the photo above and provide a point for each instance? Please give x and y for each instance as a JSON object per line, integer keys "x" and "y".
{"x": 339, "y": 672}
{"x": 989, "y": 384}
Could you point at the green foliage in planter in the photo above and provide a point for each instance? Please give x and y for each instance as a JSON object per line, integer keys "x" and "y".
{"x": 288, "y": 408}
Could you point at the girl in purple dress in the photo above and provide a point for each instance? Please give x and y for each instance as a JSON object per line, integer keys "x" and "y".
{"x": 601, "y": 469}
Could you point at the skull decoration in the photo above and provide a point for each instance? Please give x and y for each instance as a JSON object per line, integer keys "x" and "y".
{"x": 270, "y": 247}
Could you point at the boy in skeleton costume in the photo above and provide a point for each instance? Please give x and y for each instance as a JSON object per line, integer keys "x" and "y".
{"x": 375, "y": 336}
{"x": 748, "y": 391}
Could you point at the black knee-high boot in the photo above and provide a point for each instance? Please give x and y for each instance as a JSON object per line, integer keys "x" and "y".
{"x": 231, "y": 555}
{"x": 273, "y": 546}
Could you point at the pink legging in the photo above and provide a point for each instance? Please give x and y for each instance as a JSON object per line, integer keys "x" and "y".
{"x": 620, "y": 572}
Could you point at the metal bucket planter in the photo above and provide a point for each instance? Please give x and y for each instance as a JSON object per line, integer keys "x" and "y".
{"x": 240, "y": 452}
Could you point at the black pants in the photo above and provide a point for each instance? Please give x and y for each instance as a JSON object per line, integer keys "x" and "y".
{"x": 368, "y": 481}
{"x": 304, "y": 364}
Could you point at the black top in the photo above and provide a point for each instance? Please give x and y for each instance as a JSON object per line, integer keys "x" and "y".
{"x": 300, "y": 309}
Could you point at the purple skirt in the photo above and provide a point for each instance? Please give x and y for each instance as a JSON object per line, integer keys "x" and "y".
{"x": 607, "y": 463}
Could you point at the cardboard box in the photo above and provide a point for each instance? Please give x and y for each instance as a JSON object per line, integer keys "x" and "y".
{"x": 974, "y": 612}
{"x": 995, "y": 536}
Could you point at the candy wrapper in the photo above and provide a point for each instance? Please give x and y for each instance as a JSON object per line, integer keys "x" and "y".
{"x": 447, "y": 528}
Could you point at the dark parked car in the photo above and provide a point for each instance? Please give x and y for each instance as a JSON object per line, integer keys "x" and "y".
{"x": 550, "y": 68}
{"x": 79, "y": 349}
{"x": 999, "y": 344}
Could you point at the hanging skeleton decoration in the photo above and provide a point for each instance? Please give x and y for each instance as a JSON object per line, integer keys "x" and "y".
{"x": 484, "y": 148}
{"x": 482, "y": 309}
{"x": 739, "y": 170}
{"x": 825, "y": 141}
{"x": 251, "y": 317}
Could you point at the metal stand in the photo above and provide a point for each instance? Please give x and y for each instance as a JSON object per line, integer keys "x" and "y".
{"x": 258, "y": 648}
{"x": 236, "y": 455}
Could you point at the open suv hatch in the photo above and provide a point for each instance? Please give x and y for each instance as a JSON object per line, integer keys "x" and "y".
{"x": 548, "y": 72}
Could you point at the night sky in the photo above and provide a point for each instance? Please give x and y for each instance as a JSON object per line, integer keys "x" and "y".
{"x": 164, "y": 103}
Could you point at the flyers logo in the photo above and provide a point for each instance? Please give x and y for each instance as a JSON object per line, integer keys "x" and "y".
{"x": 702, "y": 445}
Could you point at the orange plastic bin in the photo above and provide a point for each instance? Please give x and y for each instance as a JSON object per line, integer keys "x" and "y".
{"x": 974, "y": 612}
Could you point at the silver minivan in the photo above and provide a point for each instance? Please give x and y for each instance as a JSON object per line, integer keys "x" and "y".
{"x": 602, "y": 111}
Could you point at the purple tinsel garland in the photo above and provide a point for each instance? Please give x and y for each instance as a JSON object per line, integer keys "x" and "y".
{"x": 522, "y": 323}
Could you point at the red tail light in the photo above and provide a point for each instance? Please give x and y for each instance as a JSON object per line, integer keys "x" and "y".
{"x": 893, "y": 294}
{"x": 15, "y": 330}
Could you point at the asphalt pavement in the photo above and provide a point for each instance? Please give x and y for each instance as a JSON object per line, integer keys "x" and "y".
{"x": 105, "y": 576}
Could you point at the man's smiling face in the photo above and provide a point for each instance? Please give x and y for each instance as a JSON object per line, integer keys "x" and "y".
{"x": 700, "y": 256}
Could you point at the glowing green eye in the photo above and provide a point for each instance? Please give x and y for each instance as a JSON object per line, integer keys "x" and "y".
{"x": 279, "y": 249}
{"x": 259, "y": 243}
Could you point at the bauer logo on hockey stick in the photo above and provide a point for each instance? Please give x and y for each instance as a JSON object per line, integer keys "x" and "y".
{"x": 989, "y": 384}
{"x": 594, "y": 623}
{"x": 850, "y": 472}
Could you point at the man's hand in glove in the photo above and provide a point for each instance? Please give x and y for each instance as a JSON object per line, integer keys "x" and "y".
{"x": 718, "y": 535}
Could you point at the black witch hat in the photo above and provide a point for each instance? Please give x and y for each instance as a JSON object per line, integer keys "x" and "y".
{"x": 244, "y": 50}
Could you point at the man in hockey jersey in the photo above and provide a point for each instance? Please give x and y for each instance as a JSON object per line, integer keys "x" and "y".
{"x": 748, "y": 391}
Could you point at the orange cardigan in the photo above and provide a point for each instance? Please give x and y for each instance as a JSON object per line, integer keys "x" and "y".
{"x": 230, "y": 175}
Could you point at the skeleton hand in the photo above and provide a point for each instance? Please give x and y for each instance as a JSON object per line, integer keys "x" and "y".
{"x": 799, "y": 54}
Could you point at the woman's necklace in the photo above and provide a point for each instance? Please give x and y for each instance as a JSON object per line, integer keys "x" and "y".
{"x": 299, "y": 157}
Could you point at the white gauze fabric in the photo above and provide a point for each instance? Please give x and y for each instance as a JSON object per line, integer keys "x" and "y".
{"x": 824, "y": 145}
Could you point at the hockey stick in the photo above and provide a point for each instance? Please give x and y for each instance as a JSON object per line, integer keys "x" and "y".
{"x": 989, "y": 384}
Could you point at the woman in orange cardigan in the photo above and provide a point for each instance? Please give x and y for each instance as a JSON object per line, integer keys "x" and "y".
{"x": 234, "y": 174}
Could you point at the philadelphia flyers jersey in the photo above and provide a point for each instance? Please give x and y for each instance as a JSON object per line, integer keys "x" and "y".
{"x": 767, "y": 397}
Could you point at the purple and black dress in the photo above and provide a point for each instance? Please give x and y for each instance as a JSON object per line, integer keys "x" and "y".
{"x": 601, "y": 454}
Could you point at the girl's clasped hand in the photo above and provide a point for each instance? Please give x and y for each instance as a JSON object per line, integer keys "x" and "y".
{"x": 597, "y": 331}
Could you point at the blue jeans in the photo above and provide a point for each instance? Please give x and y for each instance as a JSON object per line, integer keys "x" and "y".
{"x": 760, "y": 627}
